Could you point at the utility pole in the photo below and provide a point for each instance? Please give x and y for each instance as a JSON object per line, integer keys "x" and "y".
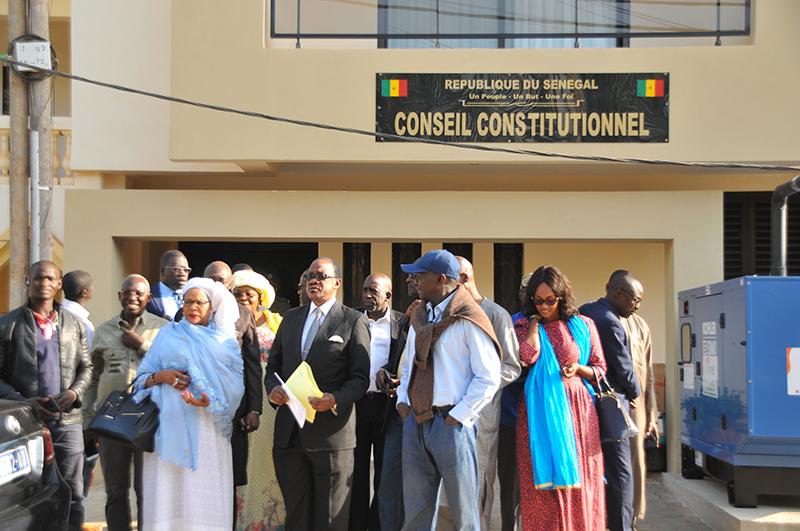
{"x": 41, "y": 122}
{"x": 19, "y": 249}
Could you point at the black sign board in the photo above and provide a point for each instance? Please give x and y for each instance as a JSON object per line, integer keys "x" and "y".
{"x": 524, "y": 107}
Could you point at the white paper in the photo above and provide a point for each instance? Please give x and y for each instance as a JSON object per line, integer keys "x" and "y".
{"x": 688, "y": 376}
{"x": 711, "y": 375}
{"x": 793, "y": 371}
{"x": 295, "y": 406}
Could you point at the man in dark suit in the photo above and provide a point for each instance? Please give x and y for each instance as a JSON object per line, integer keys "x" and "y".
{"x": 167, "y": 294}
{"x": 248, "y": 416}
{"x": 385, "y": 326}
{"x": 314, "y": 465}
{"x": 623, "y": 296}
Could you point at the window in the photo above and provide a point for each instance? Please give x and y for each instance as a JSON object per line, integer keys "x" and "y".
{"x": 402, "y": 253}
{"x": 357, "y": 265}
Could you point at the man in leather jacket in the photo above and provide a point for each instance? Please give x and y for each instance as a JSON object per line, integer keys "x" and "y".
{"x": 44, "y": 360}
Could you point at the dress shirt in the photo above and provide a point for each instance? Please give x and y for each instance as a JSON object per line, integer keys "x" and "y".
{"x": 83, "y": 314}
{"x": 380, "y": 331}
{"x": 115, "y": 365}
{"x": 168, "y": 301}
{"x": 466, "y": 367}
{"x": 325, "y": 308}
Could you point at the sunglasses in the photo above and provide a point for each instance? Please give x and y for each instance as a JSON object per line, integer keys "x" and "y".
{"x": 549, "y": 301}
{"x": 318, "y": 276}
{"x": 634, "y": 298}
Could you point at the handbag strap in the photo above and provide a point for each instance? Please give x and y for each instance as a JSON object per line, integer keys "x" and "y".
{"x": 600, "y": 378}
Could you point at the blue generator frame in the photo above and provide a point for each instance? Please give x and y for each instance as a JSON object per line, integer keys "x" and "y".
{"x": 740, "y": 385}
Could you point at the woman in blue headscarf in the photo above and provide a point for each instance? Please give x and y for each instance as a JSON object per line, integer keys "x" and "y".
{"x": 193, "y": 373}
{"x": 558, "y": 435}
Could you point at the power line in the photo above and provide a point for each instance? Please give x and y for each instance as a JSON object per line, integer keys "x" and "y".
{"x": 351, "y": 130}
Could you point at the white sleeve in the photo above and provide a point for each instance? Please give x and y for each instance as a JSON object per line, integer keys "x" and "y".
{"x": 408, "y": 362}
{"x": 485, "y": 365}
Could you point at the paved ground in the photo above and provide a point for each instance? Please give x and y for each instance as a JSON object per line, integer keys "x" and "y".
{"x": 665, "y": 513}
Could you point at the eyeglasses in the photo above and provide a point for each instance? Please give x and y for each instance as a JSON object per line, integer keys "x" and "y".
{"x": 199, "y": 304}
{"x": 134, "y": 293}
{"x": 549, "y": 301}
{"x": 318, "y": 276}
{"x": 634, "y": 298}
{"x": 179, "y": 269}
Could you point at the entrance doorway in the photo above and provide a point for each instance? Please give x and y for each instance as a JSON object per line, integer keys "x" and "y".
{"x": 282, "y": 263}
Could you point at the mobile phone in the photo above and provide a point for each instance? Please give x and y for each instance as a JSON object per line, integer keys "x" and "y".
{"x": 52, "y": 405}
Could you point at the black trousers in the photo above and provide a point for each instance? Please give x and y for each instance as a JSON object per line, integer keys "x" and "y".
{"x": 619, "y": 485}
{"x": 370, "y": 437}
{"x": 116, "y": 460}
{"x": 508, "y": 477}
{"x": 315, "y": 486}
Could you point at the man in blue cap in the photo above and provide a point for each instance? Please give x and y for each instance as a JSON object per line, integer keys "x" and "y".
{"x": 451, "y": 372}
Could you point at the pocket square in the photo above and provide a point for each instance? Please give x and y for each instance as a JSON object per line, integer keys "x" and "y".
{"x": 336, "y": 339}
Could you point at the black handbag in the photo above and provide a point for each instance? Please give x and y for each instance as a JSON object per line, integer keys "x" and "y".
{"x": 125, "y": 421}
{"x": 616, "y": 423}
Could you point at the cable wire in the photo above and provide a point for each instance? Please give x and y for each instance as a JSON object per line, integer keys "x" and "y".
{"x": 389, "y": 136}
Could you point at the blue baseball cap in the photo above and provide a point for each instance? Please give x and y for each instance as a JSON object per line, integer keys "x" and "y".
{"x": 440, "y": 261}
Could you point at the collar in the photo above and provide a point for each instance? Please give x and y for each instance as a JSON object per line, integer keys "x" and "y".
{"x": 385, "y": 318}
{"x": 139, "y": 319}
{"x": 610, "y": 306}
{"x": 165, "y": 290}
{"x": 76, "y": 308}
{"x": 325, "y": 308}
{"x": 438, "y": 310}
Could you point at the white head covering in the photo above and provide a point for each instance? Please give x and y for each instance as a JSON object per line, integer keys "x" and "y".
{"x": 224, "y": 308}
{"x": 256, "y": 281}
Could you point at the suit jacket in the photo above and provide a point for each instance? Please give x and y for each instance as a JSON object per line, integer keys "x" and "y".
{"x": 616, "y": 347}
{"x": 340, "y": 368}
{"x": 18, "y": 364}
{"x": 155, "y": 306}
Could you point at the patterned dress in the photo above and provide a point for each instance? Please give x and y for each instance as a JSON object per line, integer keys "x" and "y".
{"x": 260, "y": 503}
{"x": 574, "y": 509}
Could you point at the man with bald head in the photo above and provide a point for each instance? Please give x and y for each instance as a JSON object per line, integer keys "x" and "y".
{"x": 385, "y": 329}
{"x": 219, "y": 271}
{"x": 489, "y": 420}
{"x": 44, "y": 360}
{"x": 120, "y": 344}
{"x": 623, "y": 296}
{"x": 314, "y": 464}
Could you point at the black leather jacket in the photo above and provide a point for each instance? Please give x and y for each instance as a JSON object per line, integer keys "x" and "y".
{"x": 18, "y": 365}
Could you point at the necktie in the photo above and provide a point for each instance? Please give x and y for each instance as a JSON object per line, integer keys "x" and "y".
{"x": 178, "y": 296}
{"x": 312, "y": 332}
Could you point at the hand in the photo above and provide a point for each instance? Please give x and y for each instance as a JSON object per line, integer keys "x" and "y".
{"x": 570, "y": 370}
{"x": 324, "y": 403}
{"x": 278, "y": 396}
{"x": 131, "y": 339}
{"x": 39, "y": 409}
{"x": 403, "y": 410}
{"x": 251, "y": 421}
{"x": 177, "y": 379}
{"x": 451, "y": 421}
{"x": 652, "y": 431}
{"x": 634, "y": 403}
{"x": 190, "y": 399}
{"x": 385, "y": 383}
{"x": 66, "y": 399}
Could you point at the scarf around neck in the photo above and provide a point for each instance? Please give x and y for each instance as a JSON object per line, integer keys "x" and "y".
{"x": 461, "y": 306}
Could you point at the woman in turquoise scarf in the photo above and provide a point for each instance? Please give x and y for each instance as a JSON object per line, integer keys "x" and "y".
{"x": 558, "y": 436}
{"x": 193, "y": 373}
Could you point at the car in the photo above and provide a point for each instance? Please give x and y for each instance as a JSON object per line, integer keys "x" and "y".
{"x": 33, "y": 495}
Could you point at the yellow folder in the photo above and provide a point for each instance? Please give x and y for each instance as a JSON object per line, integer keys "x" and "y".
{"x": 302, "y": 384}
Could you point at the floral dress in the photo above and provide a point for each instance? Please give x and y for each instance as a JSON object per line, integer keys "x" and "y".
{"x": 574, "y": 509}
{"x": 259, "y": 504}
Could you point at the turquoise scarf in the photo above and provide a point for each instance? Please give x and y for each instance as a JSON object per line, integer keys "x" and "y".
{"x": 551, "y": 431}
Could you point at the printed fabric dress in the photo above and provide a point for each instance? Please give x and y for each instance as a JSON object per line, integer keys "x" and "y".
{"x": 259, "y": 504}
{"x": 574, "y": 509}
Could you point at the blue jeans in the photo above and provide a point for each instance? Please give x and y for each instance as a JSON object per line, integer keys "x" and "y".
{"x": 435, "y": 452}
{"x": 68, "y": 447}
{"x": 390, "y": 490}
